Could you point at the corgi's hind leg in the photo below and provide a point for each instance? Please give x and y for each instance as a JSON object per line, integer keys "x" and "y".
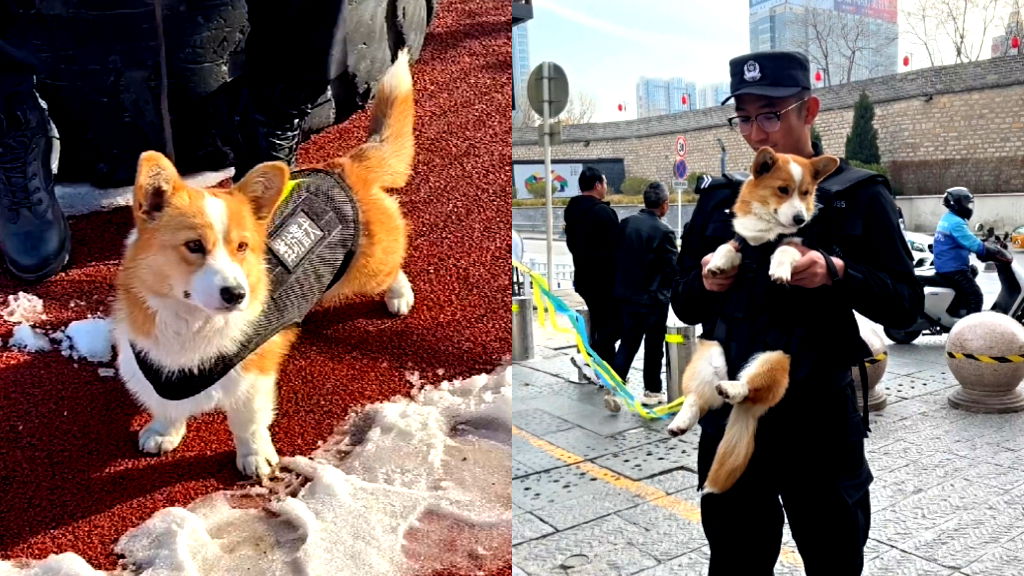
{"x": 705, "y": 370}
{"x": 162, "y": 434}
{"x": 249, "y": 417}
{"x": 762, "y": 381}
{"x": 400, "y": 297}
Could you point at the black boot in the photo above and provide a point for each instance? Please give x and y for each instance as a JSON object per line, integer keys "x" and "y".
{"x": 34, "y": 235}
{"x": 267, "y": 140}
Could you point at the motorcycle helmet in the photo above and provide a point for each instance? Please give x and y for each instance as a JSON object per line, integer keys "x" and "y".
{"x": 959, "y": 201}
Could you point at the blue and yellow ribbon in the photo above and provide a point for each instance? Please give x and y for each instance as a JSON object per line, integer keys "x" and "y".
{"x": 549, "y": 306}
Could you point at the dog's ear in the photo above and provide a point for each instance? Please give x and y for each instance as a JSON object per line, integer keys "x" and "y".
{"x": 154, "y": 183}
{"x": 823, "y": 166}
{"x": 764, "y": 161}
{"x": 263, "y": 186}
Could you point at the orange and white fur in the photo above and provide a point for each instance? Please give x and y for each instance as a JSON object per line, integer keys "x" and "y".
{"x": 776, "y": 200}
{"x": 190, "y": 246}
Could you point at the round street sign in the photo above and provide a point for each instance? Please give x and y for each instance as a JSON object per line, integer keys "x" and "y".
{"x": 681, "y": 146}
{"x": 558, "y": 89}
{"x": 680, "y": 169}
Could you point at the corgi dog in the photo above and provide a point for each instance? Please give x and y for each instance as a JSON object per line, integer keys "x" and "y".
{"x": 777, "y": 200}
{"x": 202, "y": 268}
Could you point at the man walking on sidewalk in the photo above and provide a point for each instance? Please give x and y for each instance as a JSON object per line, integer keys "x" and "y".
{"x": 645, "y": 272}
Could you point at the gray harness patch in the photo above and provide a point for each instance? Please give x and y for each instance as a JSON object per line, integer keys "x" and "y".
{"x": 296, "y": 237}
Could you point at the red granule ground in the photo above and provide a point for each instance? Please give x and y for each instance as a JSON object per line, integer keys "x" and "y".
{"x": 72, "y": 478}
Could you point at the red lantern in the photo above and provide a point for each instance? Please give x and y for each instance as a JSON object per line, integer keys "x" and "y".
{"x": 906, "y": 61}
{"x": 685, "y": 99}
{"x": 817, "y": 76}
{"x": 1015, "y": 42}
{"x": 621, "y": 107}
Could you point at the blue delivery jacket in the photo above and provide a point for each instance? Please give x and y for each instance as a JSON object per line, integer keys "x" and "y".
{"x": 953, "y": 244}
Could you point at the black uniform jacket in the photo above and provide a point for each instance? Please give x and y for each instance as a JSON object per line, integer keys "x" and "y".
{"x": 646, "y": 263}
{"x": 815, "y": 326}
{"x": 591, "y": 230}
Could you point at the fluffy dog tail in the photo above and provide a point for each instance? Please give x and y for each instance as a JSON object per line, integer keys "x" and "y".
{"x": 386, "y": 158}
{"x": 735, "y": 449}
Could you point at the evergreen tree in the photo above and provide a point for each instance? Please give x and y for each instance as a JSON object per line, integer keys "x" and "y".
{"x": 862, "y": 141}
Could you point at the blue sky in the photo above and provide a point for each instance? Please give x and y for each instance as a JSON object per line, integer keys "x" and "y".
{"x": 605, "y": 45}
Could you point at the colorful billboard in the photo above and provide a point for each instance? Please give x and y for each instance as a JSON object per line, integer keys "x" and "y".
{"x": 529, "y": 180}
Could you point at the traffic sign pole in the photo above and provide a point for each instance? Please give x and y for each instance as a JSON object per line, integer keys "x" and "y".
{"x": 546, "y": 79}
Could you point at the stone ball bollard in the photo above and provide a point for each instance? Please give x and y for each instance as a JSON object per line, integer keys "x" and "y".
{"x": 989, "y": 376}
{"x": 872, "y": 336}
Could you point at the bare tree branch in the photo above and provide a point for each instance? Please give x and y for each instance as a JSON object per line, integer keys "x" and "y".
{"x": 580, "y": 109}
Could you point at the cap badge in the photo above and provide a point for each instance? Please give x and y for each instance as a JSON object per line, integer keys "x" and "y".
{"x": 751, "y": 72}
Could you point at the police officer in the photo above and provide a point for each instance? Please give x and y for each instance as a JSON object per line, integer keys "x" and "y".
{"x": 953, "y": 245}
{"x": 809, "y": 452}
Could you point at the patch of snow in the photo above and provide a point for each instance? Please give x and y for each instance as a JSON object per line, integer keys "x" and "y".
{"x": 23, "y": 308}
{"x": 89, "y": 339}
{"x": 351, "y": 506}
{"x": 29, "y": 339}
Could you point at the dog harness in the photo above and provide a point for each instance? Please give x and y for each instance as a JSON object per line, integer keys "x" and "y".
{"x": 311, "y": 243}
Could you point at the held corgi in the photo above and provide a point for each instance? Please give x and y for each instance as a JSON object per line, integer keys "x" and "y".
{"x": 777, "y": 200}
{"x": 214, "y": 281}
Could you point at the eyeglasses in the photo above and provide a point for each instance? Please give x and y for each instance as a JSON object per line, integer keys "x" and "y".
{"x": 768, "y": 121}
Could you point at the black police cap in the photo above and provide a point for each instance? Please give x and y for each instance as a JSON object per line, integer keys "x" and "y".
{"x": 773, "y": 73}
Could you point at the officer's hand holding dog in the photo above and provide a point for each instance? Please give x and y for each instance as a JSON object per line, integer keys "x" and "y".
{"x": 810, "y": 270}
{"x": 720, "y": 282}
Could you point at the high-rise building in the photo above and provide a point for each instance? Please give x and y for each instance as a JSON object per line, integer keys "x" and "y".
{"x": 846, "y": 40}
{"x": 657, "y": 96}
{"x": 709, "y": 95}
{"x": 520, "y": 71}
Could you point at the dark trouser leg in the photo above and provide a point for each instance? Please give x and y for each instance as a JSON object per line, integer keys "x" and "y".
{"x": 830, "y": 513}
{"x": 633, "y": 322}
{"x": 654, "y": 346}
{"x": 284, "y": 75}
{"x": 744, "y": 524}
{"x": 603, "y": 324}
{"x": 967, "y": 290}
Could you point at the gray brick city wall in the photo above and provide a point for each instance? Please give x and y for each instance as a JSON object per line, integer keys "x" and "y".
{"x": 938, "y": 127}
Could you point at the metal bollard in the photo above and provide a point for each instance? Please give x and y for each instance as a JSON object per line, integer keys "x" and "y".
{"x": 679, "y": 346}
{"x": 584, "y": 313}
{"x": 522, "y": 328}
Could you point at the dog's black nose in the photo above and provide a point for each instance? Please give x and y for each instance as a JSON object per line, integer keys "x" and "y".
{"x": 232, "y": 295}
{"x": 799, "y": 219}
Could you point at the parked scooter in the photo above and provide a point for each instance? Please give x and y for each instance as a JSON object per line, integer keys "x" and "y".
{"x": 940, "y": 310}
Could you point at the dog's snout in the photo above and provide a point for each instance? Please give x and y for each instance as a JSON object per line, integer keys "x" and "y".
{"x": 799, "y": 219}
{"x": 232, "y": 295}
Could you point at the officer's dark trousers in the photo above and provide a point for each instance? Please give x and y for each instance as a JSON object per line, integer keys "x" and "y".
{"x": 968, "y": 293}
{"x": 809, "y": 462}
{"x": 604, "y": 322}
{"x": 647, "y": 323}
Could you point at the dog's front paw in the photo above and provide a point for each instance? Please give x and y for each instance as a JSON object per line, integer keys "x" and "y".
{"x": 733, "y": 391}
{"x": 781, "y": 267}
{"x": 400, "y": 297}
{"x": 780, "y": 272}
{"x": 259, "y": 463}
{"x": 155, "y": 439}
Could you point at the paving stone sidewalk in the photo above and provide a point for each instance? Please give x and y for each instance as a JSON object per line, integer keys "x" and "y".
{"x": 597, "y": 493}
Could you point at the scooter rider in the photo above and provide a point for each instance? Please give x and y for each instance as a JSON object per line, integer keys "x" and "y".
{"x": 953, "y": 244}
